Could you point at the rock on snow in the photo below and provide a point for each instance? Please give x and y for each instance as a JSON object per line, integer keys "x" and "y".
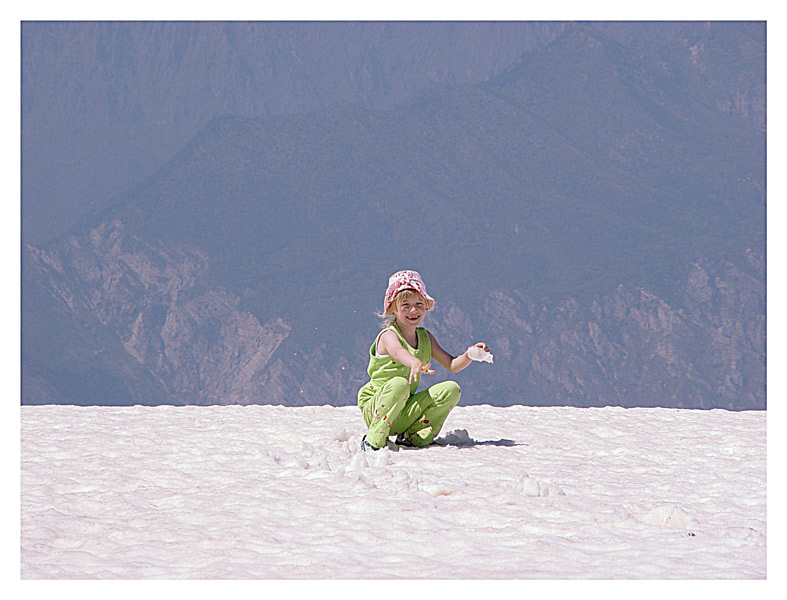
{"x": 272, "y": 492}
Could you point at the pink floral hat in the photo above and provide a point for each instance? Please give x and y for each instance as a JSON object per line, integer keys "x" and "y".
{"x": 406, "y": 280}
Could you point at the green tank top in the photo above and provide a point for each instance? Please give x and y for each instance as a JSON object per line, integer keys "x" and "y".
{"x": 384, "y": 368}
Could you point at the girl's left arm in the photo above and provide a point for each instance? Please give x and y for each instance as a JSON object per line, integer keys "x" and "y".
{"x": 453, "y": 363}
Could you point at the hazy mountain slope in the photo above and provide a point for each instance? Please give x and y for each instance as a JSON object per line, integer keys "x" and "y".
{"x": 105, "y": 104}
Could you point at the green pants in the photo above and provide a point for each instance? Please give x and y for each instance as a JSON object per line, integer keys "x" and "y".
{"x": 392, "y": 410}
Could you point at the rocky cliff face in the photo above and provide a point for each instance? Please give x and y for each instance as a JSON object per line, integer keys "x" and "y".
{"x": 153, "y": 302}
{"x": 627, "y": 348}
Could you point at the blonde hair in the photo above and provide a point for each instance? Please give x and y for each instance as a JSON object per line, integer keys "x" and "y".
{"x": 389, "y": 316}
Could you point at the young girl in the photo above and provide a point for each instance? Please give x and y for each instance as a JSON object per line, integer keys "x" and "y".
{"x": 397, "y": 358}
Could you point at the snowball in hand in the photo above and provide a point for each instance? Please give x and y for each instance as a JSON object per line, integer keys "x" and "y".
{"x": 479, "y": 354}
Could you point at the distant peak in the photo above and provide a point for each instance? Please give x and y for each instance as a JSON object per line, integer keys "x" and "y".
{"x": 586, "y": 34}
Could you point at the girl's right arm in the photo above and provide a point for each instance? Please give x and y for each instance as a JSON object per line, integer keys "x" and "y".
{"x": 389, "y": 344}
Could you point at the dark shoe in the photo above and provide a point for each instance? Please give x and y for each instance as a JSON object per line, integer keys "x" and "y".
{"x": 401, "y": 440}
{"x": 366, "y": 445}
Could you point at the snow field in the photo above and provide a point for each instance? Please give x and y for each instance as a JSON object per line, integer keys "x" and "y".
{"x": 269, "y": 492}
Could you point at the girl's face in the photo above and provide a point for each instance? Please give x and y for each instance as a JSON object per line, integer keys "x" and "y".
{"x": 411, "y": 310}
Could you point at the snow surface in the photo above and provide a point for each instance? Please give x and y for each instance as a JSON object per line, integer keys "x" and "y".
{"x": 269, "y": 492}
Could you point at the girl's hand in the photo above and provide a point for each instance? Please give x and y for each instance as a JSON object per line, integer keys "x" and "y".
{"x": 481, "y": 345}
{"x": 420, "y": 368}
